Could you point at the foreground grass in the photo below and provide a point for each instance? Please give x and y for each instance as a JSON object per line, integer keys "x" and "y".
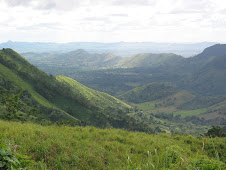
{"x": 53, "y": 147}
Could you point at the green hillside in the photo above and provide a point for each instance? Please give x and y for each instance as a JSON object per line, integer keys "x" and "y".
{"x": 167, "y": 102}
{"x": 210, "y": 79}
{"x": 94, "y": 98}
{"x": 58, "y": 99}
{"x": 11, "y": 83}
{"x": 150, "y": 60}
{"x": 54, "y": 147}
{"x": 147, "y": 93}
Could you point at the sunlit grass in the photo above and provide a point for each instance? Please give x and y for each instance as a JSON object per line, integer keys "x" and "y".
{"x": 63, "y": 147}
{"x": 190, "y": 112}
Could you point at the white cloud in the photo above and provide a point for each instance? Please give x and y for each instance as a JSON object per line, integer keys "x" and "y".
{"x": 113, "y": 20}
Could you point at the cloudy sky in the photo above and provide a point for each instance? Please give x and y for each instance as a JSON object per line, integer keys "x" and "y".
{"x": 113, "y": 20}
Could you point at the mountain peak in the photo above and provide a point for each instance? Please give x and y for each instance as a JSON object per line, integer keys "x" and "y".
{"x": 215, "y": 50}
{"x": 81, "y": 51}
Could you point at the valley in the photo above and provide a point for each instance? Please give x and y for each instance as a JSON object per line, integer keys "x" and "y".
{"x": 164, "y": 85}
{"x": 165, "y": 95}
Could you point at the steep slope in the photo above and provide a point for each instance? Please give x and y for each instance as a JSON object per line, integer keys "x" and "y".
{"x": 206, "y": 71}
{"x": 11, "y": 83}
{"x": 210, "y": 79}
{"x": 93, "y": 98}
{"x": 62, "y": 97}
{"x": 216, "y": 50}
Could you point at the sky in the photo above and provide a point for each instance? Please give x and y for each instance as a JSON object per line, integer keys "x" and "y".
{"x": 113, "y": 20}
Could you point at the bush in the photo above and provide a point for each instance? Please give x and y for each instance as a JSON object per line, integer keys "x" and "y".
{"x": 10, "y": 160}
{"x": 216, "y": 131}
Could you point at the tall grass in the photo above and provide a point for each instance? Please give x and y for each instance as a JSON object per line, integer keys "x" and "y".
{"x": 54, "y": 147}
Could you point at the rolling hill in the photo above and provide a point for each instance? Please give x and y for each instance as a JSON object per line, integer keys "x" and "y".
{"x": 202, "y": 74}
{"x": 76, "y": 59}
{"x": 160, "y": 99}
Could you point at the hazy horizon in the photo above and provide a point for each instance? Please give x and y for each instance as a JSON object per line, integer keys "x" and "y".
{"x": 162, "y": 42}
{"x": 173, "y": 21}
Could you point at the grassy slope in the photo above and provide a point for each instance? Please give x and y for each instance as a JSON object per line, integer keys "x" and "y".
{"x": 174, "y": 104}
{"x": 158, "y": 98}
{"x": 95, "y": 98}
{"x": 90, "y": 148}
{"x": 12, "y": 77}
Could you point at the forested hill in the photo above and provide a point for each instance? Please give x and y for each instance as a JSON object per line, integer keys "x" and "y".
{"x": 206, "y": 71}
{"x": 30, "y": 94}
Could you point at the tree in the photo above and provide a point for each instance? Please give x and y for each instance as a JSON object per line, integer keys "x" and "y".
{"x": 12, "y": 102}
{"x": 216, "y": 131}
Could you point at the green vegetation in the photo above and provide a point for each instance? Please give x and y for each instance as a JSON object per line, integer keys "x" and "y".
{"x": 150, "y": 60}
{"x": 147, "y": 93}
{"x": 76, "y": 59}
{"x": 63, "y": 100}
{"x": 165, "y": 90}
{"x": 146, "y": 106}
{"x": 52, "y": 99}
{"x": 53, "y": 147}
{"x": 160, "y": 100}
{"x": 217, "y": 131}
{"x": 12, "y": 160}
{"x": 202, "y": 74}
{"x": 94, "y": 98}
{"x": 190, "y": 112}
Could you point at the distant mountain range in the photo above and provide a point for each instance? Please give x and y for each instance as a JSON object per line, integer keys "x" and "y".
{"x": 118, "y": 48}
